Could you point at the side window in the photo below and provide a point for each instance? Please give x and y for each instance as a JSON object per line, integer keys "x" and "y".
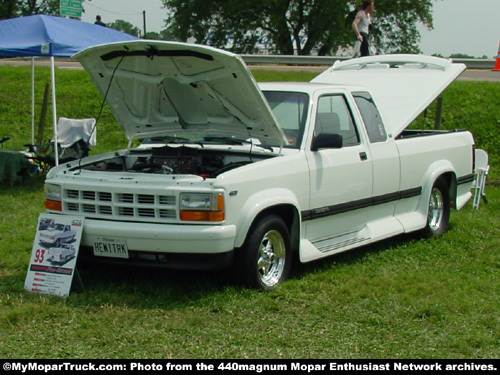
{"x": 371, "y": 117}
{"x": 334, "y": 117}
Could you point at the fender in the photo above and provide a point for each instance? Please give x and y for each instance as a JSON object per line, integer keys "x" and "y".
{"x": 258, "y": 203}
{"x": 434, "y": 171}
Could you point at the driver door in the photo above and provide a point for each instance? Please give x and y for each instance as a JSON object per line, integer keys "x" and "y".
{"x": 340, "y": 178}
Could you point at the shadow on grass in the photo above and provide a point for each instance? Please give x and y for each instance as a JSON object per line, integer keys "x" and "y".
{"x": 168, "y": 289}
{"x": 355, "y": 255}
{"x": 142, "y": 287}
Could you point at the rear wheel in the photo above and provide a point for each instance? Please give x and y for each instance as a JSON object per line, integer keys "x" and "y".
{"x": 438, "y": 214}
{"x": 264, "y": 261}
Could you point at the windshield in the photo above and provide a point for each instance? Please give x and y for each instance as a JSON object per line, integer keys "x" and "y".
{"x": 290, "y": 110}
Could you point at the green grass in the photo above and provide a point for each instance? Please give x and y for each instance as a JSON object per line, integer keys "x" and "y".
{"x": 405, "y": 297}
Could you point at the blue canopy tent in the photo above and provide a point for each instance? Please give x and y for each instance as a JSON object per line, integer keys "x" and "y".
{"x": 50, "y": 36}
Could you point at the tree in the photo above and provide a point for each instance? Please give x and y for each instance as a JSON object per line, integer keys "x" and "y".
{"x": 30, "y": 7}
{"x": 16, "y": 8}
{"x": 8, "y": 9}
{"x": 125, "y": 27}
{"x": 298, "y": 27}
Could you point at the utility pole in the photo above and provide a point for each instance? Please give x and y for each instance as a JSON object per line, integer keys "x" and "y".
{"x": 144, "y": 21}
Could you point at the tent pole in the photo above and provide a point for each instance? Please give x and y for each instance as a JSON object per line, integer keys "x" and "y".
{"x": 54, "y": 112}
{"x": 33, "y": 100}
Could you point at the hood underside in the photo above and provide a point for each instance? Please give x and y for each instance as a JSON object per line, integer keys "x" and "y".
{"x": 163, "y": 88}
{"x": 402, "y": 86}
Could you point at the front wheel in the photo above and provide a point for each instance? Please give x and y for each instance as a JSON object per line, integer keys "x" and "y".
{"x": 264, "y": 261}
{"x": 438, "y": 214}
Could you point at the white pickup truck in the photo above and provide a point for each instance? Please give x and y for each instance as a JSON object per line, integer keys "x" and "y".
{"x": 57, "y": 235}
{"x": 230, "y": 173}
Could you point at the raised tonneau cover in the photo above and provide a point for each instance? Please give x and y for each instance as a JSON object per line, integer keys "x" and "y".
{"x": 402, "y": 85}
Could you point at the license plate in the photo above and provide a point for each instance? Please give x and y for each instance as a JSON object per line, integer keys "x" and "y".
{"x": 110, "y": 247}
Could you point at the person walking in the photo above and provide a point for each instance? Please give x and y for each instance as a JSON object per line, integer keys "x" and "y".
{"x": 361, "y": 26}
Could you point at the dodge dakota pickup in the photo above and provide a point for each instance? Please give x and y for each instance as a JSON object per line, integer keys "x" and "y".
{"x": 57, "y": 235}
{"x": 223, "y": 172}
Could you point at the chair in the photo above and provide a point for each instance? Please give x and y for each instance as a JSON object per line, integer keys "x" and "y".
{"x": 481, "y": 171}
{"x": 74, "y": 138}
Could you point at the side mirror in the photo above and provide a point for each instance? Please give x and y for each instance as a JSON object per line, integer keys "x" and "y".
{"x": 324, "y": 140}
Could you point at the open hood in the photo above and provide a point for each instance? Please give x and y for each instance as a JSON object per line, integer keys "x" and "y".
{"x": 402, "y": 85}
{"x": 158, "y": 88}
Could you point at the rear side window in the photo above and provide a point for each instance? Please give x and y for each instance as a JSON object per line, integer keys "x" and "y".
{"x": 371, "y": 117}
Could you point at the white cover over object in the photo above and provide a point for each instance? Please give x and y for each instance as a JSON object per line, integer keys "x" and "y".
{"x": 71, "y": 130}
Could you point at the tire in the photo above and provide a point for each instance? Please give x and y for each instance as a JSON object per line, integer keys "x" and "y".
{"x": 438, "y": 214}
{"x": 264, "y": 261}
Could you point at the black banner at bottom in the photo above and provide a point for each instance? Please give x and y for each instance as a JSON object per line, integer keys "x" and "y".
{"x": 249, "y": 366}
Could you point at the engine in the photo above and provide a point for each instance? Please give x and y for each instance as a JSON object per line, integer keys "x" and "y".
{"x": 176, "y": 160}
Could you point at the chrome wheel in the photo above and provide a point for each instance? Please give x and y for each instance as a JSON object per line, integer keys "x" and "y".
{"x": 436, "y": 209}
{"x": 272, "y": 258}
{"x": 264, "y": 260}
{"x": 438, "y": 213}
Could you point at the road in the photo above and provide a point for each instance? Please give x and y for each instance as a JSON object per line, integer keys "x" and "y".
{"x": 468, "y": 75}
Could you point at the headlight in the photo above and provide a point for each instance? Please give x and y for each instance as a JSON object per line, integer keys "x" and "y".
{"x": 202, "y": 206}
{"x": 196, "y": 201}
{"x": 53, "y": 197}
{"x": 52, "y": 192}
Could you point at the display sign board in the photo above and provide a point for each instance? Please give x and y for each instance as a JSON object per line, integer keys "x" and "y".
{"x": 71, "y": 8}
{"x": 53, "y": 257}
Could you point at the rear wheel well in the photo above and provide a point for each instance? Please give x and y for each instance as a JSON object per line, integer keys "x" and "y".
{"x": 451, "y": 181}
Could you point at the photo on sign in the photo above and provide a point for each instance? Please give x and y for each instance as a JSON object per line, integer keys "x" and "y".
{"x": 54, "y": 254}
{"x": 56, "y": 239}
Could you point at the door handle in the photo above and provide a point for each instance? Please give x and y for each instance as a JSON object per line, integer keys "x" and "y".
{"x": 362, "y": 156}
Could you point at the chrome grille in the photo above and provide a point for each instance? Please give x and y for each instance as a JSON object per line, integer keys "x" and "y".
{"x": 122, "y": 206}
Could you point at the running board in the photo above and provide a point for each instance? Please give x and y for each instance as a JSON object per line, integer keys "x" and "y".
{"x": 375, "y": 231}
{"x": 342, "y": 244}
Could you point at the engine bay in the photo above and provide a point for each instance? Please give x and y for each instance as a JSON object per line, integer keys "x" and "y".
{"x": 177, "y": 161}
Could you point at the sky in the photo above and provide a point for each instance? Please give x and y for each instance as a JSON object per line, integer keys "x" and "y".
{"x": 470, "y": 27}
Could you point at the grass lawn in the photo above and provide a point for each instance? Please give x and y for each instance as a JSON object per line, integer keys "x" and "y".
{"x": 406, "y": 297}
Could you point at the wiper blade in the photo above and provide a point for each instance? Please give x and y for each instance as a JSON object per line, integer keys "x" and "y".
{"x": 231, "y": 140}
{"x": 235, "y": 141}
{"x": 169, "y": 139}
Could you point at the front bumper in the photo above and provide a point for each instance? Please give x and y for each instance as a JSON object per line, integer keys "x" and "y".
{"x": 167, "y": 246}
{"x": 163, "y": 238}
